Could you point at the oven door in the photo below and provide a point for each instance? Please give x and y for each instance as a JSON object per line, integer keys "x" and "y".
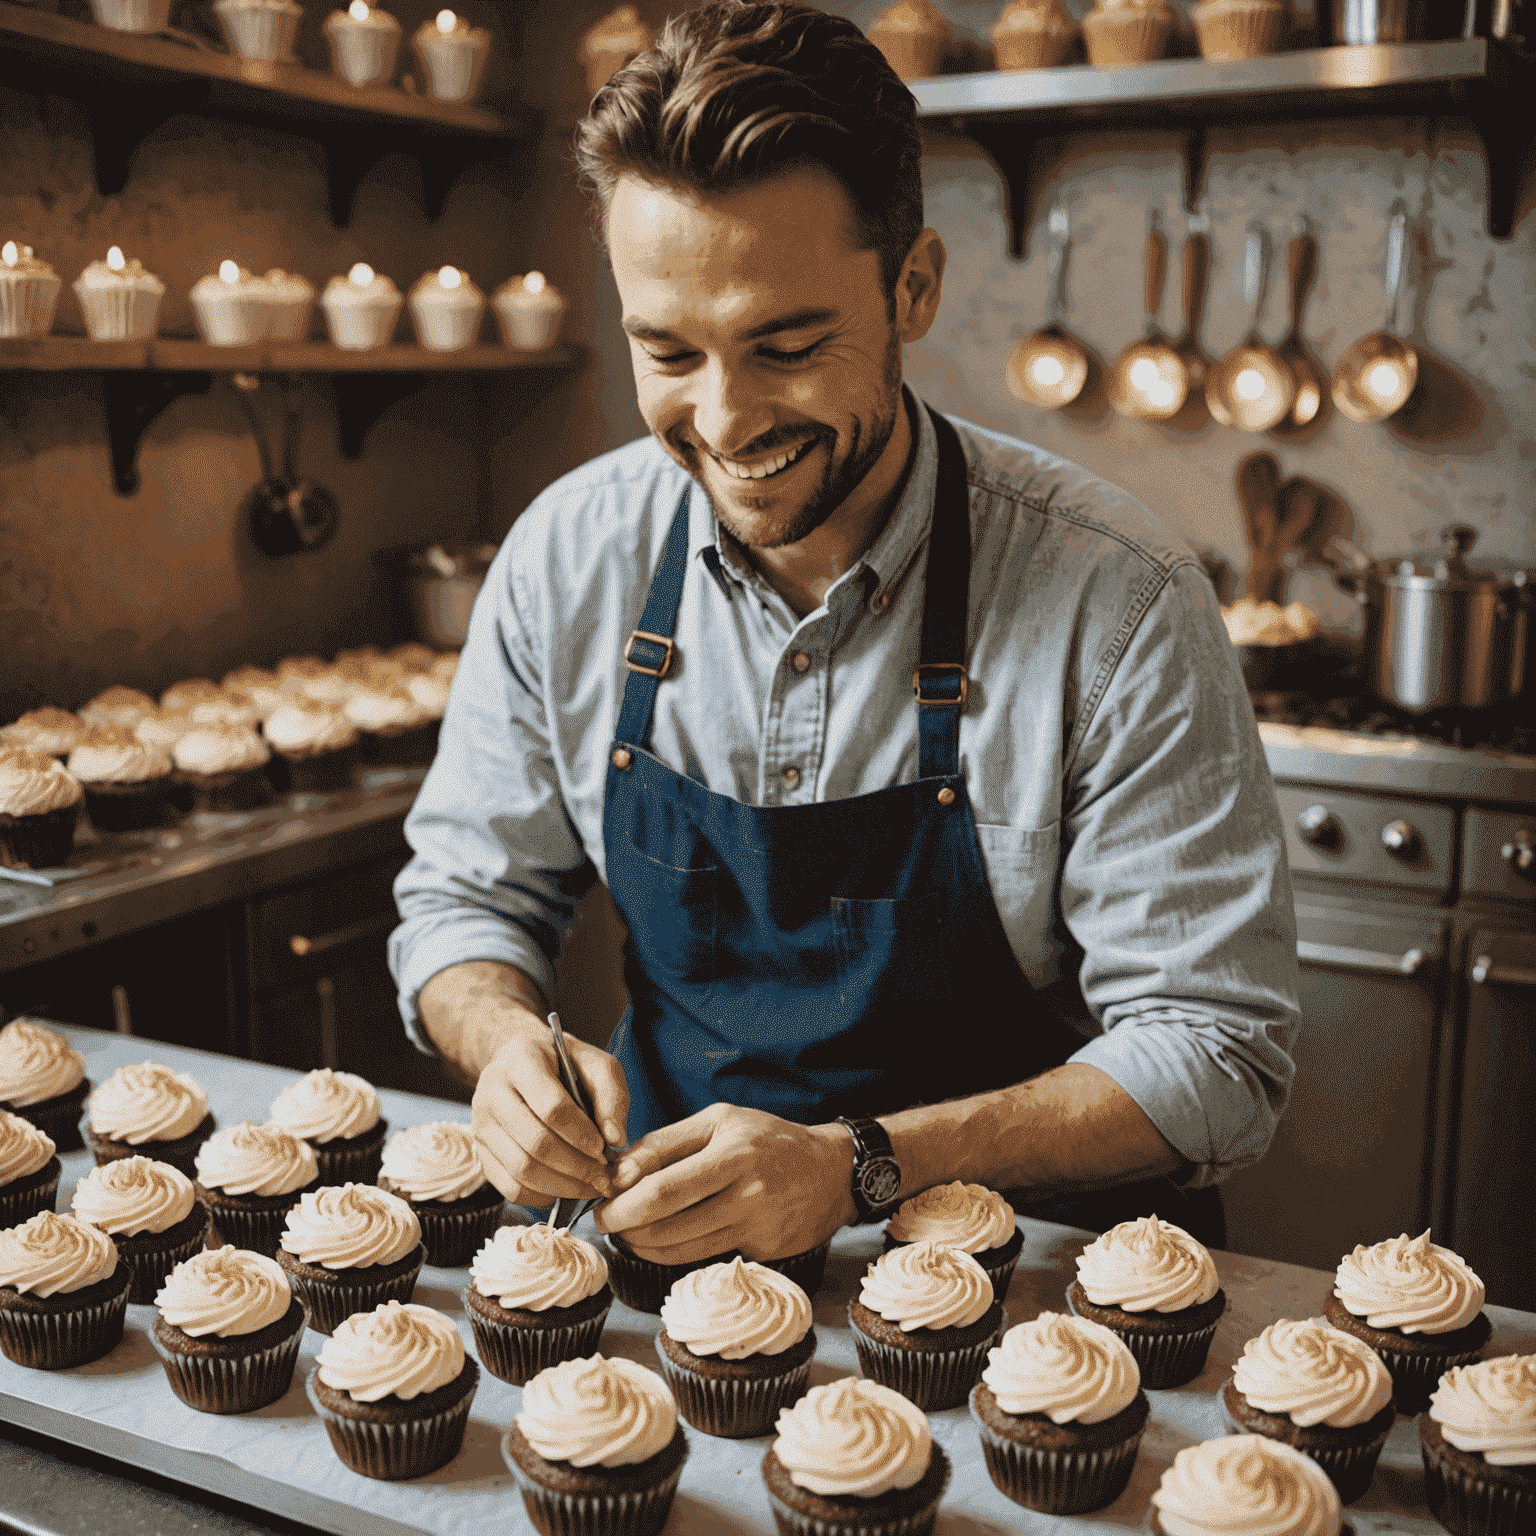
{"x": 1351, "y": 1159}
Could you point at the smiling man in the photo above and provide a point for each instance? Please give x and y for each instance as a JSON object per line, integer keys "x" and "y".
{"x": 916, "y": 760}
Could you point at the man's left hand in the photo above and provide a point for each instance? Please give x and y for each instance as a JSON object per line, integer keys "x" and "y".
{"x": 731, "y": 1179}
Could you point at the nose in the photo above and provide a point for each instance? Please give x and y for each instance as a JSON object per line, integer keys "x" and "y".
{"x": 730, "y": 411}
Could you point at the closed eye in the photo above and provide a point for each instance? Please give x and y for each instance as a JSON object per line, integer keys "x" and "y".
{"x": 773, "y": 354}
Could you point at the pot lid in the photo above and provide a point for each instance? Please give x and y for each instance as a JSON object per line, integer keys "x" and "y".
{"x": 1449, "y": 570}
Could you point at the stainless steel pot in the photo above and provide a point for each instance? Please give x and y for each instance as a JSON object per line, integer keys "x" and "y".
{"x": 1440, "y": 633}
{"x": 442, "y": 582}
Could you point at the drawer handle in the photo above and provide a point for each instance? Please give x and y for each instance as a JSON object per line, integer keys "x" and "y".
{"x": 1406, "y": 964}
{"x": 302, "y": 945}
{"x": 1488, "y": 972}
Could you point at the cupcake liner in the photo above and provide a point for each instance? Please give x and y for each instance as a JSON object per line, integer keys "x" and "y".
{"x": 241, "y": 789}
{"x": 1350, "y": 1468}
{"x": 288, "y": 319}
{"x": 1033, "y": 50}
{"x": 615, "y": 1512}
{"x": 180, "y": 1153}
{"x": 363, "y": 55}
{"x": 27, "y": 304}
{"x": 806, "y": 1269}
{"x": 315, "y": 772}
{"x": 874, "y": 1521}
{"x": 446, "y": 327}
{"x": 518, "y": 1354}
{"x": 119, "y": 314}
{"x": 933, "y": 1379}
{"x": 361, "y": 327}
{"x": 453, "y": 1238}
{"x": 56, "y": 1340}
{"x": 245, "y": 1226}
{"x": 132, "y": 15}
{"x": 1247, "y": 34}
{"x": 1468, "y": 1504}
{"x": 1166, "y": 1359}
{"x": 59, "y": 1118}
{"x": 452, "y": 64}
{"x": 733, "y": 1407}
{"x": 351, "y": 1159}
{"x": 331, "y": 1302}
{"x": 23, "y": 1198}
{"x": 231, "y": 319}
{"x": 527, "y": 330}
{"x": 231, "y": 1383}
{"x": 394, "y": 1450}
{"x": 258, "y": 32}
{"x": 1415, "y": 1377}
{"x": 38, "y": 842}
{"x": 130, "y": 807}
{"x": 151, "y": 1261}
{"x": 1125, "y": 39}
{"x": 413, "y": 747}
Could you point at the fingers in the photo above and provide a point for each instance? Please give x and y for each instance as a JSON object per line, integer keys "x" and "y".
{"x": 699, "y": 1232}
{"x": 604, "y": 1079}
{"x": 664, "y": 1146}
{"x": 538, "y": 1083}
{"x": 669, "y": 1191}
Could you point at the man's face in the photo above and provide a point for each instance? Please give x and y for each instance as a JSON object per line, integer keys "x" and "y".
{"x": 766, "y": 360}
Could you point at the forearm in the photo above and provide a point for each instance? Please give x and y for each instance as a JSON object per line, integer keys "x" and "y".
{"x": 471, "y": 1010}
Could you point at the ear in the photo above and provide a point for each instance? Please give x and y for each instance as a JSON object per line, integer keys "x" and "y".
{"x": 919, "y": 287}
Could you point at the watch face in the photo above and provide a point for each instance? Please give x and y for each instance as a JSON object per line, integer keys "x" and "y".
{"x": 880, "y": 1181}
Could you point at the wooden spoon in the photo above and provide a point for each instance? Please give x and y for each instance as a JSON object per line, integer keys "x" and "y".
{"x": 1258, "y": 488}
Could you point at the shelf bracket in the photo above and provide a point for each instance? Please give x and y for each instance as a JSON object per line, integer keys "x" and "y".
{"x": 134, "y": 400}
{"x": 348, "y": 158}
{"x": 121, "y": 121}
{"x": 442, "y": 162}
{"x": 1507, "y": 133}
{"x": 1194, "y": 169}
{"x": 1011, "y": 149}
{"x": 361, "y": 398}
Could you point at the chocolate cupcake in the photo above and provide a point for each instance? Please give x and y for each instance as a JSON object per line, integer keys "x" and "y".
{"x": 1478, "y": 1442}
{"x": 643, "y": 1285}
{"x": 597, "y": 1449}
{"x": 396, "y": 728}
{"x": 314, "y": 746}
{"x": 435, "y": 1169}
{"x": 29, "y": 1171}
{"x": 42, "y": 1079}
{"x": 1418, "y": 1305}
{"x": 116, "y": 705}
{"x": 63, "y": 1293}
{"x": 129, "y": 785}
{"x": 924, "y": 1321}
{"x": 1245, "y": 1482}
{"x": 150, "y": 1211}
{"x": 1319, "y": 1389}
{"x": 1151, "y": 1283}
{"x": 223, "y": 767}
{"x": 228, "y": 1331}
{"x": 735, "y": 1344}
{"x": 967, "y": 1216}
{"x": 854, "y": 1458}
{"x": 249, "y": 1177}
{"x": 350, "y": 1248}
{"x": 263, "y": 688}
{"x": 339, "y": 1115}
{"x": 40, "y": 804}
{"x": 393, "y": 1387}
{"x": 50, "y": 730}
{"x": 537, "y": 1296}
{"x": 147, "y": 1110}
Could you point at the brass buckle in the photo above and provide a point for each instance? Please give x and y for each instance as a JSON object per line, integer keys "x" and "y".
{"x": 941, "y": 666}
{"x": 635, "y": 666}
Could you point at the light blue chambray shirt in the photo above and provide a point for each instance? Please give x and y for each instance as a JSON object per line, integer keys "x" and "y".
{"x": 1125, "y": 811}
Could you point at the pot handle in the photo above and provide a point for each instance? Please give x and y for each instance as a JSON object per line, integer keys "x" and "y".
{"x": 1456, "y": 540}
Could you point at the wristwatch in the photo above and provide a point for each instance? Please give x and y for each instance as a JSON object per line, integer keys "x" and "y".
{"x": 876, "y": 1173}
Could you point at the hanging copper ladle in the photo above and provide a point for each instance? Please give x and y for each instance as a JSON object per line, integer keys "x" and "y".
{"x": 1050, "y": 368}
{"x": 1149, "y": 379}
{"x": 1376, "y": 376}
{"x": 1252, "y": 387}
{"x": 286, "y": 512}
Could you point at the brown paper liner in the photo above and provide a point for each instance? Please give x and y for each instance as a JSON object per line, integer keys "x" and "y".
{"x": 1125, "y": 39}
{"x": 333, "y": 1298}
{"x": 153, "y": 1255}
{"x": 236, "y": 1379}
{"x": 395, "y": 1448}
{"x": 1166, "y": 1359}
{"x": 1415, "y": 1372}
{"x": 50, "y": 1334}
{"x": 1247, "y": 34}
{"x": 180, "y": 1153}
{"x": 453, "y": 1231}
{"x": 907, "y": 1512}
{"x": 735, "y": 1407}
{"x": 1032, "y": 50}
{"x": 351, "y": 1159}
{"x": 623, "y": 1503}
{"x": 38, "y": 842}
{"x": 58, "y": 1118}
{"x": 517, "y": 1354}
{"x": 251, "y": 1221}
{"x": 241, "y": 789}
{"x": 931, "y": 1378}
{"x": 1470, "y": 1498}
{"x": 314, "y": 772}
{"x": 133, "y": 807}
{"x": 23, "y": 1198}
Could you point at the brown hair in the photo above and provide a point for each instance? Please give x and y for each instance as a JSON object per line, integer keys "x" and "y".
{"x": 735, "y": 92}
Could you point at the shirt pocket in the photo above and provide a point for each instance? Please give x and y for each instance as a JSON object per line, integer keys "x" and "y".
{"x": 1024, "y": 872}
{"x": 674, "y": 917}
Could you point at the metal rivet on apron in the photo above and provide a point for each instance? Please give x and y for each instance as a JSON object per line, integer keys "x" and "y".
{"x": 946, "y": 796}
{"x": 622, "y": 758}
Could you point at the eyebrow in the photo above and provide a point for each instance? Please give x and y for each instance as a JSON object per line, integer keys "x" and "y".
{"x": 797, "y": 320}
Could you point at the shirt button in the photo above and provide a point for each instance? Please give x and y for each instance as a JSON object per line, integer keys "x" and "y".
{"x": 792, "y": 776}
{"x": 800, "y": 662}
{"x": 879, "y": 603}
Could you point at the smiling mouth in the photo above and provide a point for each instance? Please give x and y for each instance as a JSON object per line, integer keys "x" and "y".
{"x": 765, "y": 469}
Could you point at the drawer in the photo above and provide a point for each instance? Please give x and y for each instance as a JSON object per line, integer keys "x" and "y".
{"x": 1402, "y": 842}
{"x": 1487, "y": 869}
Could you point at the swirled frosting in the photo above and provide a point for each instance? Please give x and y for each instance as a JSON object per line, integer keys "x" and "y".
{"x": 34, "y": 783}
{"x": 147, "y": 1102}
{"x": 398, "y": 1349}
{"x": 212, "y": 749}
{"x": 380, "y": 706}
{"x": 429, "y": 691}
{"x": 1315, "y": 1373}
{"x": 326, "y": 1104}
{"x": 227, "y": 707}
{"x": 1245, "y": 1485}
{"x": 1490, "y": 1408}
{"x": 36, "y": 1064}
{"x": 927, "y": 1285}
{"x": 307, "y": 725}
{"x": 413, "y": 656}
{"x": 224, "y": 1291}
{"x": 116, "y": 705}
{"x": 24, "y": 1149}
{"x": 437, "y": 1161}
{"x": 130, "y": 1195}
{"x": 350, "y": 1226}
{"x": 251, "y": 1159}
{"x": 162, "y": 730}
{"x": 853, "y": 1436}
{"x": 597, "y": 1413}
{"x": 264, "y": 689}
{"x": 968, "y": 1216}
{"x": 48, "y": 729}
{"x": 535, "y": 1268}
{"x": 1067, "y": 1368}
{"x": 736, "y": 1309}
{"x": 49, "y": 1254}
{"x": 117, "y": 756}
{"x": 1147, "y": 1265}
{"x": 312, "y": 678}
{"x": 1411, "y": 1284}
{"x": 190, "y": 691}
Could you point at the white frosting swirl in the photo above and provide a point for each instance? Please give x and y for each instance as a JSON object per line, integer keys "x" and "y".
{"x": 1314, "y": 1373}
{"x": 34, "y": 783}
{"x": 398, "y": 1349}
{"x": 36, "y": 1064}
{"x": 436, "y": 1161}
{"x": 736, "y": 1309}
{"x": 532, "y": 1269}
{"x": 116, "y": 705}
{"x": 598, "y": 1413}
{"x": 191, "y": 690}
{"x": 147, "y": 1102}
{"x": 130, "y": 1195}
{"x": 225, "y": 1291}
{"x": 228, "y": 707}
{"x": 264, "y": 689}
{"x": 1490, "y": 1408}
{"x": 968, "y": 1216}
{"x": 1245, "y": 1485}
{"x": 350, "y": 1226}
{"x": 49, "y": 1254}
{"x": 325, "y": 1105}
{"x": 853, "y": 1436}
{"x": 382, "y": 706}
{"x": 213, "y": 749}
{"x": 251, "y": 1159}
{"x": 429, "y": 691}
{"x": 1147, "y": 1265}
{"x": 24, "y": 1149}
{"x": 117, "y": 756}
{"x": 927, "y": 1285}
{"x": 307, "y": 725}
{"x": 1411, "y": 1284}
{"x": 1067, "y": 1368}
{"x": 162, "y": 730}
{"x": 48, "y": 729}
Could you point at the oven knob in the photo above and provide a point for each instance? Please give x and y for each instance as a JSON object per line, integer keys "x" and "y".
{"x": 1319, "y": 828}
{"x": 1401, "y": 838}
{"x": 1520, "y": 853}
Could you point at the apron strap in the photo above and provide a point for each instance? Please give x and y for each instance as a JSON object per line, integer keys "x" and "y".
{"x": 648, "y": 654}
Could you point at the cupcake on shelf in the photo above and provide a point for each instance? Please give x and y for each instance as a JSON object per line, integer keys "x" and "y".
{"x": 452, "y": 55}
{"x": 189, "y": 691}
{"x": 228, "y": 1331}
{"x": 1418, "y": 1305}
{"x": 1151, "y": 1283}
{"x": 913, "y": 36}
{"x": 227, "y": 706}
{"x": 120, "y": 300}
{"x": 147, "y": 1110}
{"x": 446, "y": 308}
{"x": 855, "y": 1456}
{"x": 597, "y": 1447}
{"x": 396, "y": 729}
{"x": 393, "y": 1386}
{"x": 63, "y": 1293}
{"x": 537, "y": 1295}
{"x": 1478, "y": 1443}
{"x": 312, "y": 678}
{"x": 160, "y": 732}
{"x": 29, "y": 292}
{"x": 735, "y": 1344}
{"x": 29, "y": 1170}
{"x": 261, "y": 30}
{"x": 128, "y": 785}
{"x": 116, "y": 705}
{"x": 1240, "y": 29}
{"x": 223, "y": 766}
{"x": 1128, "y": 31}
{"x": 610, "y": 43}
{"x": 42, "y": 1079}
{"x": 289, "y": 301}
{"x": 1319, "y": 1389}
{"x": 50, "y": 730}
{"x": 339, "y": 1115}
{"x": 360, "y": 309}
{"x": 262, "y": 687}
{"x": 429, "y": 691}
{"x": 39, "y": 806}
{"x": 968, "y": 1216}
{"x": 132, "y": 15}
{"x": 1033, "y": 34}
{"x": 923, "y": 1323}
{"x": 446, "y": 666}
{"x": 412, "y": 656}
{"x": 529, "y": 310}
{"x": 314, "y": 746}
{"x": 249, "y": 1177}
{"x": 364, "y": 43}
{"x": 1245, "y": 1482}
{"x": 150, "y": 1211}
{"x": 230, "y": 308}
{"x": 435, "y": 1169}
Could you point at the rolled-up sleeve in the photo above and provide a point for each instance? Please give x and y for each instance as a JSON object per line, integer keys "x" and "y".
{"x": 1175, "y": 885}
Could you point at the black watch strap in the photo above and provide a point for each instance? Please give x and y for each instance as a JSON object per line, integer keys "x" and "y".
{"x": 876, "y": 1173}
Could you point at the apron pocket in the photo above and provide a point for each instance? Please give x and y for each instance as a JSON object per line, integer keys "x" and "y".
{"x": 673, "y": 923}
{"x": 891, "y": 954}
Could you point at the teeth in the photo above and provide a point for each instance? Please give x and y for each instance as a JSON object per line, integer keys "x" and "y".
{"x": 763, "y": 470}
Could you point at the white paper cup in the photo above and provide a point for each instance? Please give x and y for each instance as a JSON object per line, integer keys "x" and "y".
{"x": 262, "y": 32}
{"x": 528, "y": 330}
{"x": 27, "y": 304}
{"x": 288, "y": 319}
{"x": 362, "y": 54}
{"x": 452, "y": 63}
{"x": 119, "y": 314}
{"x": 132, "y": 15}
{"x": 446, "y": 327}
{"x": 361, "y": 327}
{"x": 232, "y": 319}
